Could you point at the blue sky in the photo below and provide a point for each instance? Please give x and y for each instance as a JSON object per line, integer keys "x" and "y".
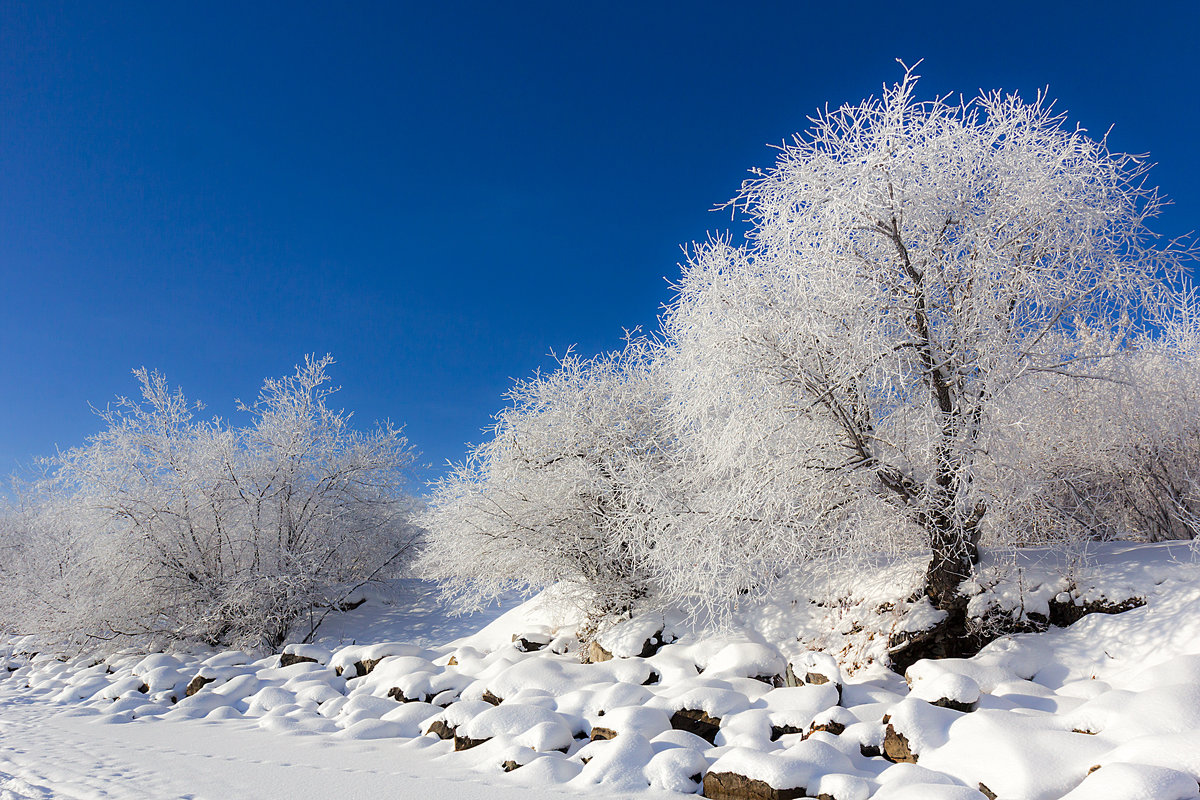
{"x": 440, "y": 194}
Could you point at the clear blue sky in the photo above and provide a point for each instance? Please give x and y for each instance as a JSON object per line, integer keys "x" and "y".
{"x": 439, "y": 194}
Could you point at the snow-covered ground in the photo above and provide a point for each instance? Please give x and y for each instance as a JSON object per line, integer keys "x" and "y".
{"x": 1107, "y": 708}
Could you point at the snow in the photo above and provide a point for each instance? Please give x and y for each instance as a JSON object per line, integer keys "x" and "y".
{"x": 1107, "y": 708}
{"x": 676, "y": 769}
{"x": 1123, "y": 781}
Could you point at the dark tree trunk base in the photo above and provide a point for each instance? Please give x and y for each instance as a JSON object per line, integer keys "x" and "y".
{"x": 950, "y": 638}
{"x": 956, "y": 636}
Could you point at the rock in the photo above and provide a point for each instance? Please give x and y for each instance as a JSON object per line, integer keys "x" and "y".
{"x": 144, "y": 688}
{"x": 465, "y": 743}
{"x": 697, "y": 722}
{"x": 836, "y": 728}
{"x": 196, "y": 684}
{"x": 652, "y": 645}
{"x": 530, "y": 642}
{"x": 954, "y": 705}
{"x": 365, "y": 666}
{"x": 833, "y": 720}
{"x": 453, "y": 662}
{"x": 896, "y": 748}
{"x": 510, "y": 765}
{"x": 779, "y": 731}
{"x": 818, "y": 669}
{"x": 774, "y": 681}
{"x": 440, "y": 729}
{"x": 869, "y": 751}
{"x": 731, "y": 786}
{"x": 1067, "y": 613}
{"x": 986, "y": 792}
{"x": 397, "y": 694}
{"x": 594, "y": 654}
{"x": 288, "y": 659}
{"x": 652, "y": 678}
{"x": 950, "y": 690}
{"x": 488, "y": 697}
{"x": 603, "y": 733}
{"x": 789, "y": 677}
{"x": 950, "y": 637}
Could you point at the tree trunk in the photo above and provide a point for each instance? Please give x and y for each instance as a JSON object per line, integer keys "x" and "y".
{"x": 954, "y": 553}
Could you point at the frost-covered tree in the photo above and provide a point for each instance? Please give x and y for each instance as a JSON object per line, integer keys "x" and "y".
{"x": 1116, "y": 457}
{"x": 167, "y": 524}
{"x": 555, "y": 494}
{"x": 1155, "y": 428}
{"x": 911, "y": 264}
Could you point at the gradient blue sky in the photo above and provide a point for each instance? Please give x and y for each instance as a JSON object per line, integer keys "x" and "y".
{"x": 439, "y": 194}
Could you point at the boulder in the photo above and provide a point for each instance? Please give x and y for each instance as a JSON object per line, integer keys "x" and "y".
{"x": 944, "y": 688}
{"x": 365, "y": 666}
{"x": 732, "y": 786}
{"x": 653, "y": 644}
{"x": 594, "y": 654}
{"x": 896, "y": 747}
{"x": 830, "y": 726}
{"x": 196, "y": 684}
{"x": 440, "y": 729}
{"x": 530, "y": 642}
{"x": 288, "y": 659}
{"x": 778, "y": 731}
{"x": 697, "y": 722}
{"x": 1064, "y": 611}
{"x": 466, "y": 743}
{"x": 397, "y": 694}
{"x": 954, "y": 705}
{"x": 832, "y": 720}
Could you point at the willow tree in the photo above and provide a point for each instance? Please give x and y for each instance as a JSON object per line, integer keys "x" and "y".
{"x": 910, "y": 262}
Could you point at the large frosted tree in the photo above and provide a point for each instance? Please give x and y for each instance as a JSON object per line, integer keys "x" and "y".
{"x": 910, "y": 262}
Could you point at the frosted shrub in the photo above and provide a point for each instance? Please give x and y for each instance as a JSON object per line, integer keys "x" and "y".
{"x": 166, "y": 525}
{"x": 556, "y": 494}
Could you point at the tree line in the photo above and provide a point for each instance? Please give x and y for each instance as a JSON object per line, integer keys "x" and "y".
{"x": 951, "y": 326}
